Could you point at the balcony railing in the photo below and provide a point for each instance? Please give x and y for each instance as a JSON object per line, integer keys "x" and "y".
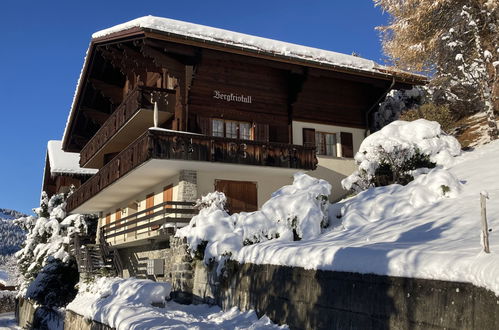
{"x": 139, "y": 98}
{"x": 174, "y": 145}
{"x": 149, "y": 220}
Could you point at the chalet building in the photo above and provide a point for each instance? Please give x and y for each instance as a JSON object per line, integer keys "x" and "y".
{"x": 62, "y": 170}
{"x": 168, "y": 111}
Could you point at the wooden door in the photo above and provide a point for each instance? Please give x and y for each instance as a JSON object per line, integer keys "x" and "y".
{"x": 241, "y": 195}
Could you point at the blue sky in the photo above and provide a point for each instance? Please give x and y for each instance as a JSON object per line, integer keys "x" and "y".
{"x": 44, "y": 42}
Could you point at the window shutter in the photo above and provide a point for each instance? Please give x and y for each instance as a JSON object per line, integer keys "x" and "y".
{"x": 346, "y": 145}
{"x": 261, "y": 132}
{"x": 309, "y": 137}
{"x": 204, "y": 124}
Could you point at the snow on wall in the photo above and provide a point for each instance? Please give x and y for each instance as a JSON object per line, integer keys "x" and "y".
{"x": 62, "y": 162}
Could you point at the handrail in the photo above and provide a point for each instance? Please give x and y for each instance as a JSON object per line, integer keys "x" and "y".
{"x": 152, "y": 208}
{"x": 137, "y": 219}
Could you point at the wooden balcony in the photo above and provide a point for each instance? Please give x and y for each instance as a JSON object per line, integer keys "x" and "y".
{"x": 138, "y": 100}
{"x": 182, "y": 146}
{"x": 148, "y": 223}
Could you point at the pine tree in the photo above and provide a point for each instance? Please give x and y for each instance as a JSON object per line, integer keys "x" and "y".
{"x": 455, "y": 41}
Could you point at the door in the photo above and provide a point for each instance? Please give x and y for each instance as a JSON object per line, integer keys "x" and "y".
{"x": 241, "y": 195}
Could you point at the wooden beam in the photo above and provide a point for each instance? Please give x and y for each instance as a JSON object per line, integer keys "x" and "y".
{"x": 164, "y": 61}
{"x": 112, "y": 92}
{"x": 172, "y": 48}
{"x": 96, "y": 116}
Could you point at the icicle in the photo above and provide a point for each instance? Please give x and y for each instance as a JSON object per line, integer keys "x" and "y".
{"x": 156, "y": 114}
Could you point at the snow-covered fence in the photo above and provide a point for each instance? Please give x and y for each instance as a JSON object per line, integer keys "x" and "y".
{"x": 485, "y": 228}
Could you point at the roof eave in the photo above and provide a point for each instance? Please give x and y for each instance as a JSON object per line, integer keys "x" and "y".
{"x": 133, "y": 32}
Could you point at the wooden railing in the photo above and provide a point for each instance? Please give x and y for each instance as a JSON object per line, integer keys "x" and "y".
{"x": 151, "y": 219}
{"x": 134, "y": 155}
{"x": 91, "y": 258}
{"x": 139, "y": 98}
{"x": 185, "y": 146}
{"x": 174, "y": 145}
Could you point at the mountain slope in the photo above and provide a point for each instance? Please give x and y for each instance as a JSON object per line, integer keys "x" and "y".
{"x": 11, "y": 236}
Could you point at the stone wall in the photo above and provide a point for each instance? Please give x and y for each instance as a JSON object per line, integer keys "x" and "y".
{"x": 181, "y": 270}
{"x": 187, "y": 186}
{"x": 135, "y": 258}
{"x": 178, "y": 265}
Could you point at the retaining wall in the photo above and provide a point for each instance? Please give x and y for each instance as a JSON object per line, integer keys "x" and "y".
{"x": 309, "y": 299}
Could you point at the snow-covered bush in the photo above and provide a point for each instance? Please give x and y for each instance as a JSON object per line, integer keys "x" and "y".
{"x": 396, "y": 102}
{"x": 48, "y": 237}
{"x": 297, "y": 211}
{"x": 397, "y": 152}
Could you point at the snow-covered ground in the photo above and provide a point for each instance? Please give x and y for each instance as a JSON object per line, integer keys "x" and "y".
{"x": 128, "y": 304}
{"x": 8, "y": 322}
{"x": 380, "y": 233}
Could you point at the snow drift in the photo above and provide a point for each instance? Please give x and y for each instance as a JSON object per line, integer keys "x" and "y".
{"x": 142, "y": 304}
{"x": 295, "y": 211}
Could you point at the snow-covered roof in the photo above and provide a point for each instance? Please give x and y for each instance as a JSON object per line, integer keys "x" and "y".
{"x": 241, "y": 40}
{"x": 62, "y": 162}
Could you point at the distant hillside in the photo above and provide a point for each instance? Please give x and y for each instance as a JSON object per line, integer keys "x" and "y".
{"x": 11, "y": 236}
{"x": 6, "y": 214}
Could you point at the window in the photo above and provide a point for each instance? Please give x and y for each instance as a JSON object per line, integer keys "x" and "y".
{"x": 245, "y": 131}
{"x": 232, "y": 129}
{"x": 217, "y": 127}
{"x": 326, "y": 144}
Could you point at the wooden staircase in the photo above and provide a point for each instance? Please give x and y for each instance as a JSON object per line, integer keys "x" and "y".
{"x": 95, "y": 259}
